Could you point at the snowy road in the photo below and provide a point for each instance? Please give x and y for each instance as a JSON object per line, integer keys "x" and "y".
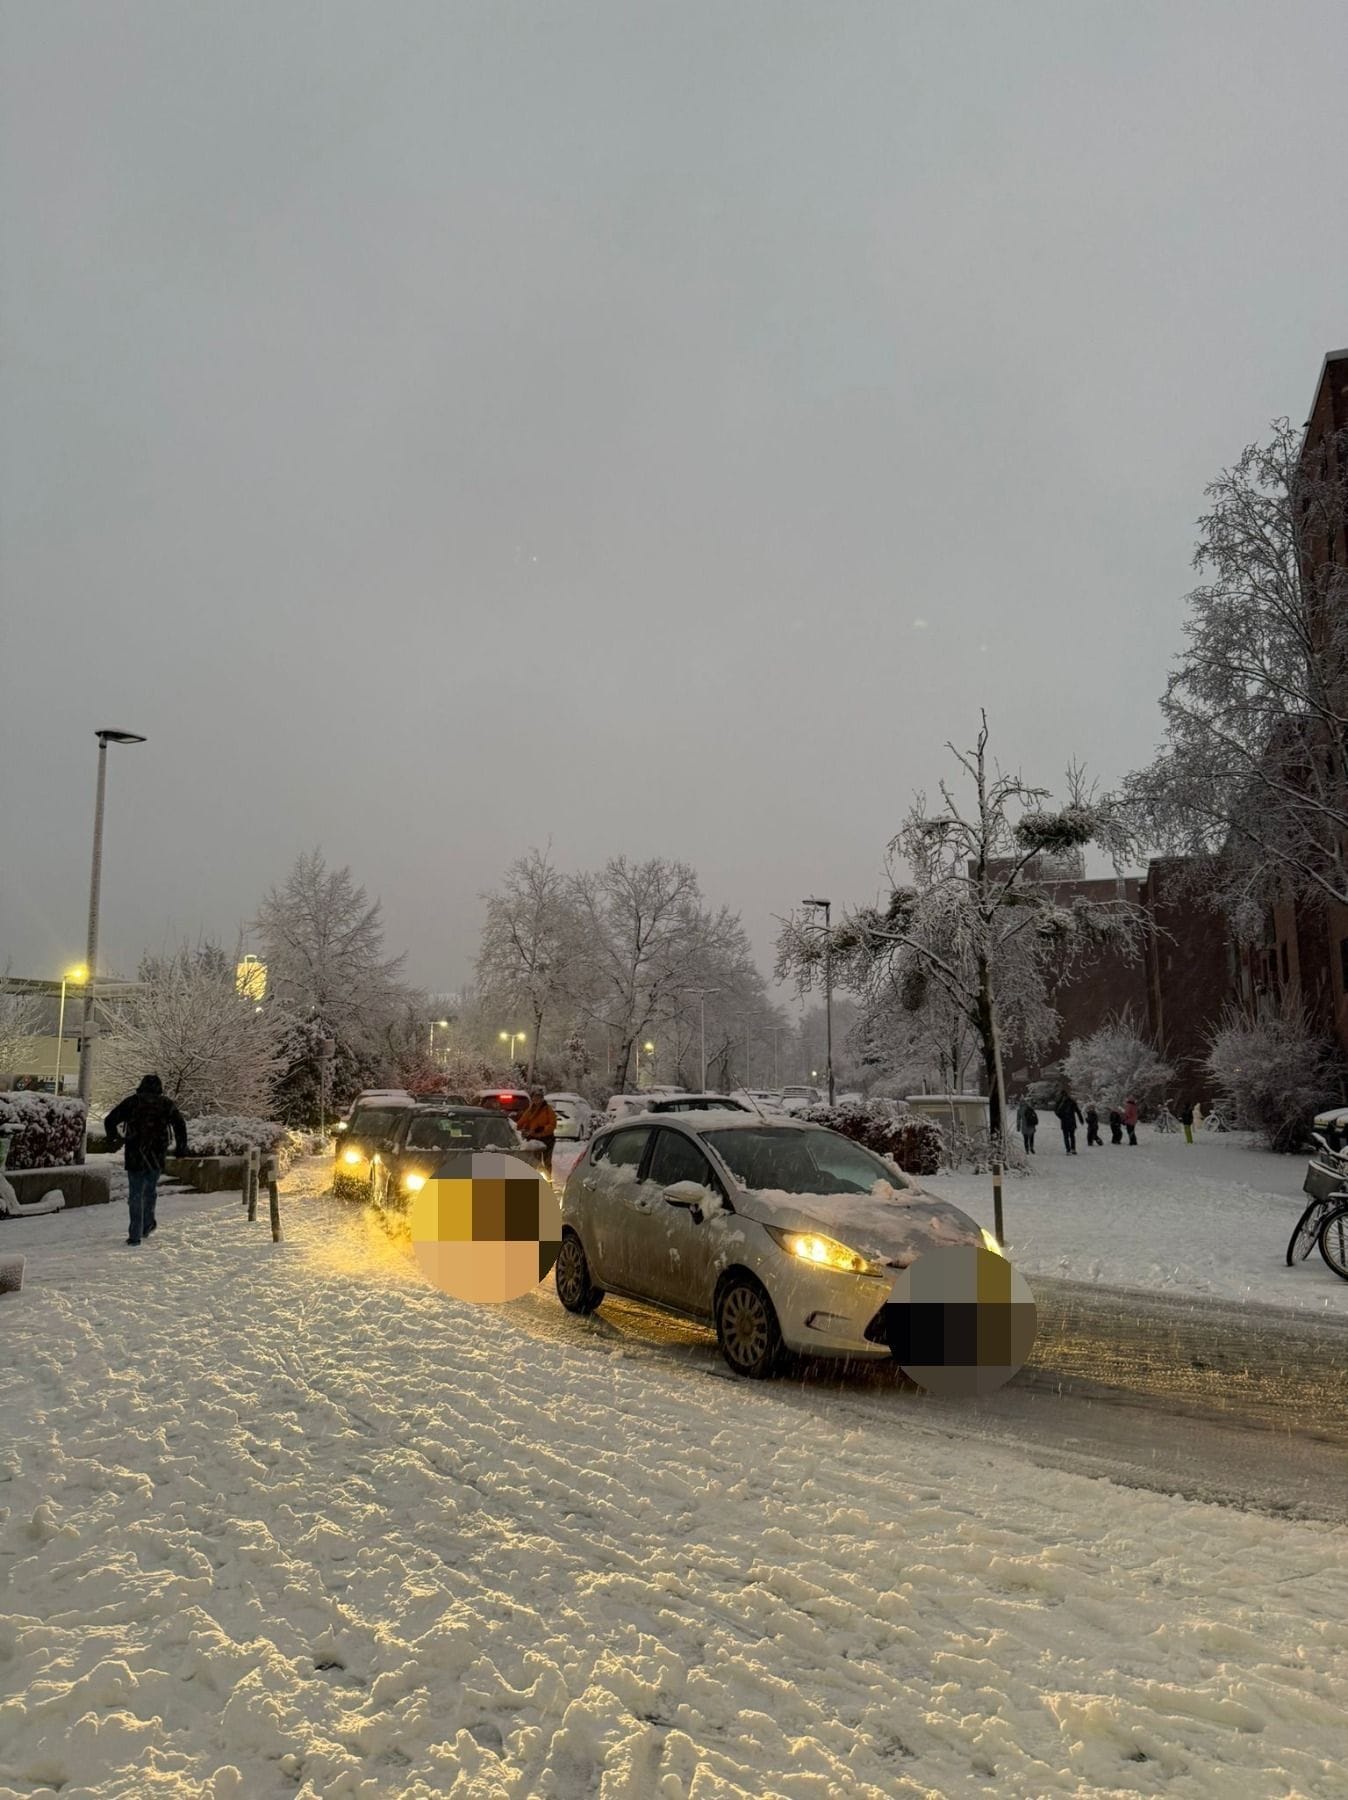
{"x": 283, "y": 1520}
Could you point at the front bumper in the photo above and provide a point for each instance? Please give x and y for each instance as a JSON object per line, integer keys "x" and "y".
{"x": 826, "y": 1313}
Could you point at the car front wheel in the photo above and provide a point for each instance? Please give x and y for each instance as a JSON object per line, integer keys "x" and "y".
{"x": 575, "y": 1286}
{"x": 747, "y": 1328}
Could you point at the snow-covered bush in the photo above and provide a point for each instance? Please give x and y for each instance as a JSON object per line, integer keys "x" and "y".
{"x": 46, "y": 1131}
{"x": 224, "y": 1134}
{"x": 905, "y": 1137}
{"x": 1272, "y": 1072}
{"x": 1115, "y": 1061}
{"x": 971, "y": 1152}
{"x": 187, "y": 1023}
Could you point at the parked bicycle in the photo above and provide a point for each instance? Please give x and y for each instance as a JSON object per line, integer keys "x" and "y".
{"x": 1166, "y": 1120}
{"x": 1324, "y": 1223}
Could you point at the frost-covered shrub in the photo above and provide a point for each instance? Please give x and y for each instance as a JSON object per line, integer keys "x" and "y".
{"x": 971, "y": 1153}
{"x": 1272, "y": 1072}
{"x": 905, "y": 1137}
{"x": 1116, "y": 1061}
{"x": 46, "y": 1131}
{"x": 223, "y": 1134}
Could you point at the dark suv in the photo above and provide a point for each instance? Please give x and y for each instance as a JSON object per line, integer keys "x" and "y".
{"x": 423, "y": 1138}
{"x": 370, "y": 1126}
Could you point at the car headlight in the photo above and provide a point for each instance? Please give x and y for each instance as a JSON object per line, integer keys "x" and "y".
{"x": 413, "y": 1183}
{"x": 351, "y": 1156}
{"x": 990, "y": 1242}
{"x": 823, "y": 1252}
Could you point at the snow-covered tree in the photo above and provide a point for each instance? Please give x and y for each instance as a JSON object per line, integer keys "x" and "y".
{"x": 21, "y": 1018}
{"x": 322, "y": 940}
{"x": 974, "y": 922}
{"x": 530, "y": 963}
{"x": 1252, "y": 780}
{"x": 645, "y": 935}
{"x": 1116, "y": 1061}
{"x": 215, "y": 1050}
{"x": 1272, "y": 1071}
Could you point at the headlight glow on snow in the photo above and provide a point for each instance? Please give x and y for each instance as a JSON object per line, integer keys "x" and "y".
{"x": 823, "y": 1252}
{"x": 351, "y": 1156}
{"x": 990, "y": 1242}
{"x": 414, "y": 1182}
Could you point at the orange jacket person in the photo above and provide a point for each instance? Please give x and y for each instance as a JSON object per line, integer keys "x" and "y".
{"x": 539, "y": 1122}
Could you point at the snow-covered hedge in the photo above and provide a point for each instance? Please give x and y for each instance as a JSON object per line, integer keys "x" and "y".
{"x": 224, "y": 1134}
{"x": 905, "y": 1137}
{"x": 1272, "y": 1072}
{"x": 46, "y": 1131}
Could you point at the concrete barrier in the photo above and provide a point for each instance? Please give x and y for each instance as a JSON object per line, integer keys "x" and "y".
{"x": 84, "y": 1184}
{"x": 207, "y": 1174}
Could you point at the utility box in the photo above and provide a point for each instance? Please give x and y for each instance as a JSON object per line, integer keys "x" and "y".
{"x": 968, "y": 1113}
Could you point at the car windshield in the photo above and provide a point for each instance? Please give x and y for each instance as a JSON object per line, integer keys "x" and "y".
{"x": 446, "y": 1131}
{"x": 375, "y": 1121}
{"x": 799, "y": 1162}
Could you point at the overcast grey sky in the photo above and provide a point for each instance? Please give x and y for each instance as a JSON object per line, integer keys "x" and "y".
{"x": 445, "y": 427}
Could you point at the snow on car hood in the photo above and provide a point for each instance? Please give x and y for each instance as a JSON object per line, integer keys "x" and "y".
{"x": 887, "y": 1225}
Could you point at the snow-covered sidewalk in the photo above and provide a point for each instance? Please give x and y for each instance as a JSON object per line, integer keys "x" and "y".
{"x": 285, "y": 1520}
{"x": 1212, "y": 1218}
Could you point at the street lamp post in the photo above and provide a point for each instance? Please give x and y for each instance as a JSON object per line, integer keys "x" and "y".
{"x": 510, "y": 1037}
{"x": 105, "y": 737}
{"x": 436, "y": 1024}
{"x": 702, "y": 996}
{"x": 828, "y": 992}
{"x": 78, "y": 975}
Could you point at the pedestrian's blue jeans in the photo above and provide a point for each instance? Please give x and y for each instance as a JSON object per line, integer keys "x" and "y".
{"x": 141, "y": 1185}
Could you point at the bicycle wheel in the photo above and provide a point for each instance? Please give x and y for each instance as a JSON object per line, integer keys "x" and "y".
{"x": 1306, "y": 1233}
{"x": 1334, "y": 1241}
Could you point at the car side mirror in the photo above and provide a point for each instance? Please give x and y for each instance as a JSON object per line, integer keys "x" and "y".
{"x": 686, "y": 1193}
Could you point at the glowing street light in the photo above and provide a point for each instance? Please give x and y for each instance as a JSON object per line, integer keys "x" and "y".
{"x": 77, "y": 978}
{"x": 437, "y": 1025}
{"x": 510, "y": 1037}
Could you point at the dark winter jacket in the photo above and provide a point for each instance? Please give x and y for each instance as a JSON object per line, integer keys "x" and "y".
{"x": 1092, "y": 1115}
{"x": 1069, "y": 1113}
{"x": 143, "y": 1123}
{"x": 1186, "y": 1116}
{"x": 1026, "y": 1117}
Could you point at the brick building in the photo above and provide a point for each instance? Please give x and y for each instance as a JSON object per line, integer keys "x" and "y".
{"x": 1304, "y": 952}
{"x": 1175, "y": 985}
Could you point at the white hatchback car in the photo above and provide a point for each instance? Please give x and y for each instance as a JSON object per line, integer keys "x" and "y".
{"x": 784, "y": 1235}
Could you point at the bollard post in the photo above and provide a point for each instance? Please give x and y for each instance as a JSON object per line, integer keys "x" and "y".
{"x": 254, "y": 1156}
{"x": 274, "y": 1196}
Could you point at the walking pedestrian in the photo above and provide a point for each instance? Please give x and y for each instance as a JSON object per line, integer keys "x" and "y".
{"x": 142, "y": 1125}
{"x": 1069, "y": 1117}
{"x": 1186, "y": 1117}
{"x": 1115, "y": 1125}
{"x": 1027, "y": 1119}
{"x": 539, "y": 1122}
{"x": 1130, "y": 1119}
{"x": 1093, "y": 1126}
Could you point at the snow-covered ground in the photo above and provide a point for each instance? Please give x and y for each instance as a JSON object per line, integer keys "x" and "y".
{"x": 281, "y": 1520}
{"x": 1212, "y": 1218}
